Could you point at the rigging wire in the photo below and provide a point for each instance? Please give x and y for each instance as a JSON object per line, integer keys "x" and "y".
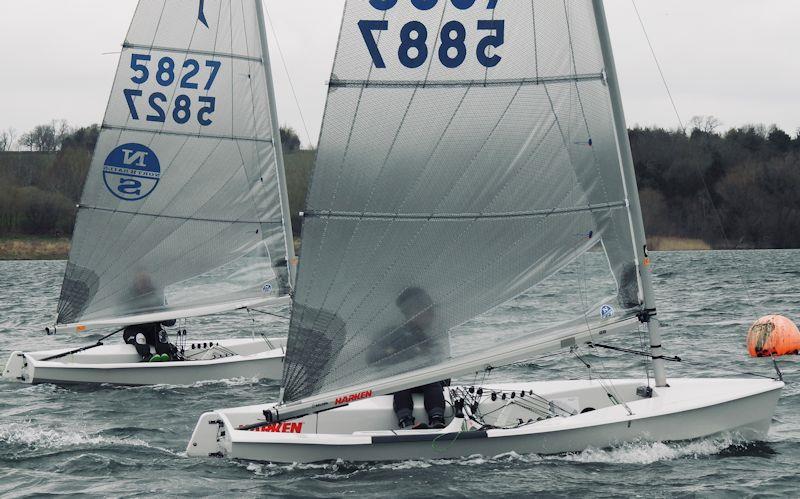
{"x": 288, "y": 76}
{"x": 714, "y": 207}
{"x": 603, "y": 377}
{"x": 268, "y": 313}
{"x": 658, "y": 65}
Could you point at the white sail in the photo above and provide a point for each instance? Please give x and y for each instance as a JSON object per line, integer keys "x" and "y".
{"x": 184, "y": 204}
{"x": 468, "y": 153}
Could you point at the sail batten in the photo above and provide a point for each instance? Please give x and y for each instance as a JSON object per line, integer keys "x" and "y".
{"x": 459, "y": 216}
{"x": 336, "y": 83}
{"x": 189, "y": 51}
{"x": 190, "y": 134}
{"x": 467, "y": 155}
{"x": 182, "y": 205}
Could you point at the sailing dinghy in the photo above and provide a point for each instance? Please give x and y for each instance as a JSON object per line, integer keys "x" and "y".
{"x": 184, "y": 212}
{"x": 470, "y": 150}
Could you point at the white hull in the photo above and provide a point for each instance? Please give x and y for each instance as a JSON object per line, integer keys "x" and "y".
{"x": 121, "y": 365}
{"x": 688, "y": 409}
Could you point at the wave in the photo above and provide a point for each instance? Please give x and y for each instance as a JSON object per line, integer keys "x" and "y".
{"x": 230, "y": 382}
{"x": 32, "y": 437}
{"x": 652, "y": 452}
{"x": 629, "y": 453}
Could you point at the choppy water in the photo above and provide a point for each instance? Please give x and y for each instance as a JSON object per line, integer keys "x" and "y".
{"x": 130, "y": 441}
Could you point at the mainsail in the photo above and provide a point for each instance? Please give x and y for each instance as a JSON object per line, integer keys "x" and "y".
{"x": 184, "y": 209}
{"x": 468, "y": 153}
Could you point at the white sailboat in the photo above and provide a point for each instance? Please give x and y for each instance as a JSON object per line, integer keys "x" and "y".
{"x": 470, "y": 150}
{"x": 184, "y": 211}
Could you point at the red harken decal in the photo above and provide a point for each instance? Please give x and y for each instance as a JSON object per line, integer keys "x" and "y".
{"x": 281, "y": 428}
{"x": 346, "y": 399}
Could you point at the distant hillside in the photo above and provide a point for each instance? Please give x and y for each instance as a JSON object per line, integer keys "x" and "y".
{"x": 740, "y": 189}
{"x": 298, "y": 173}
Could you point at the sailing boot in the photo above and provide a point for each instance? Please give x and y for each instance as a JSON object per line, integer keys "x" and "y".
{"x": 436, "y": 423}
{"x": 406, "y": 423}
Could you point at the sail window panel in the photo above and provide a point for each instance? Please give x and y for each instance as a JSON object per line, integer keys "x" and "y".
{"x": 144, "y": 285}
{"x": 448, "y": 261}
{"x": 232, "y": 26}
{"x": 585, "y": 282}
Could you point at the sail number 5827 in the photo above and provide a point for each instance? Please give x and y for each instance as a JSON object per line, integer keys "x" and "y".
{"x": 166, "y": 73}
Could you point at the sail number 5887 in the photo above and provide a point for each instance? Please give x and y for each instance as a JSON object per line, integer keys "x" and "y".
{"x": 452, "y": 43}
{"x": 452, "y": 52}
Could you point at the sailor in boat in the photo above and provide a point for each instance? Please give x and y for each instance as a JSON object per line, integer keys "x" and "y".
{"x": 413, "y": 340}
{"x": 145, "y": 295}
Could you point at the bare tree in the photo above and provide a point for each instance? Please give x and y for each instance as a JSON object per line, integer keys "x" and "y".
{"x": 7, "y": 139}
{"x": 705, "y": 124}
{"x": 46, "y": 138}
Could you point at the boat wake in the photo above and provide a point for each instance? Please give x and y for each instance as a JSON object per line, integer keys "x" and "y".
{"x": 25, "y": 439}
{"x": 230, "y": 382}
{"x": 652, "y": 452}
{"x": 628, "y": 453}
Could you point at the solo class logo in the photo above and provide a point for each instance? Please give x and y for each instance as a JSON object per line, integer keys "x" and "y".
{"x": 131, "y": 172}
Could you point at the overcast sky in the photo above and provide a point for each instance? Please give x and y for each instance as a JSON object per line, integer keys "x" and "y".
{"x": 734, "y": 59}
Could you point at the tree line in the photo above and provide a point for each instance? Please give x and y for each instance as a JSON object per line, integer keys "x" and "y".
{"x": 734, "y": 189}
{"x": 737, "y": 188}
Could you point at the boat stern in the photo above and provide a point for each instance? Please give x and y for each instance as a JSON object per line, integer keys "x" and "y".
{"x": 210, "y": 437}
{"x": 17, "y": 368}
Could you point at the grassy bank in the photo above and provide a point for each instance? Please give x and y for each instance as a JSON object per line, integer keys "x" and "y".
{"x": 661, "y": 243}
{"x": 34, "y": 248}
{"x": 57, "y": 248}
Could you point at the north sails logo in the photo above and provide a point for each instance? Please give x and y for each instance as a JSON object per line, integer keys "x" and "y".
{"x": 131, "y": 171}
{"x": 346, "y": 399}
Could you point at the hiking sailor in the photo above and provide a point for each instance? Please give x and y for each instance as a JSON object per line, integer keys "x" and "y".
{"x": 143, "y": 336}
{"x": 413, "y": 340}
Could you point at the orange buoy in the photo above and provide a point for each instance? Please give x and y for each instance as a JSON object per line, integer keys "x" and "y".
{"x": 773, "y": 335}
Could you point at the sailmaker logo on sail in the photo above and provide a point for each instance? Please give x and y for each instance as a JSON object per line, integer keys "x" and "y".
{"x": 131, "y": 172}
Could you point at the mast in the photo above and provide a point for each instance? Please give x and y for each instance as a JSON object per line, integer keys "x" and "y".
{"x": 291, "y": 260}
{"x": 648, "y": 315}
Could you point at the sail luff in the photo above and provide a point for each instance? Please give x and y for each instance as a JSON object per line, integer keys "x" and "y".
{"x": 558, "y": 338}
{"x": 635, "y": 210}
{"x": 291, "y": 259}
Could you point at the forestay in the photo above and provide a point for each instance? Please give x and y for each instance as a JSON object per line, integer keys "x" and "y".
{"x": 467, "y": 154}
{"x": 182, "y": 207}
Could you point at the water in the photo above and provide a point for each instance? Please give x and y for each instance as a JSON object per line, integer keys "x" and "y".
{"x": 131, "y": 441}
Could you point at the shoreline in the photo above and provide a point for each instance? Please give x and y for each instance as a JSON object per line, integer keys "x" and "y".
{"x": 34, "y": 248}
{"x": 57, "y": 248}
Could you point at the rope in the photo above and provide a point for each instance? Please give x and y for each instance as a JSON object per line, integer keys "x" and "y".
{"x": 268, "y": 313}
{"x": 634, "y": 352}
{"x": 658, "y": 65}
{"x": 714, "y": 207}
{"x": 288, "y": 76}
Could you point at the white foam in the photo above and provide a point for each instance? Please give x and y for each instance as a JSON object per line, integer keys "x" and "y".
{"x": 650, "y": 452}
{"x": 37, "y": 437}
{"x": 230, "y": 382}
